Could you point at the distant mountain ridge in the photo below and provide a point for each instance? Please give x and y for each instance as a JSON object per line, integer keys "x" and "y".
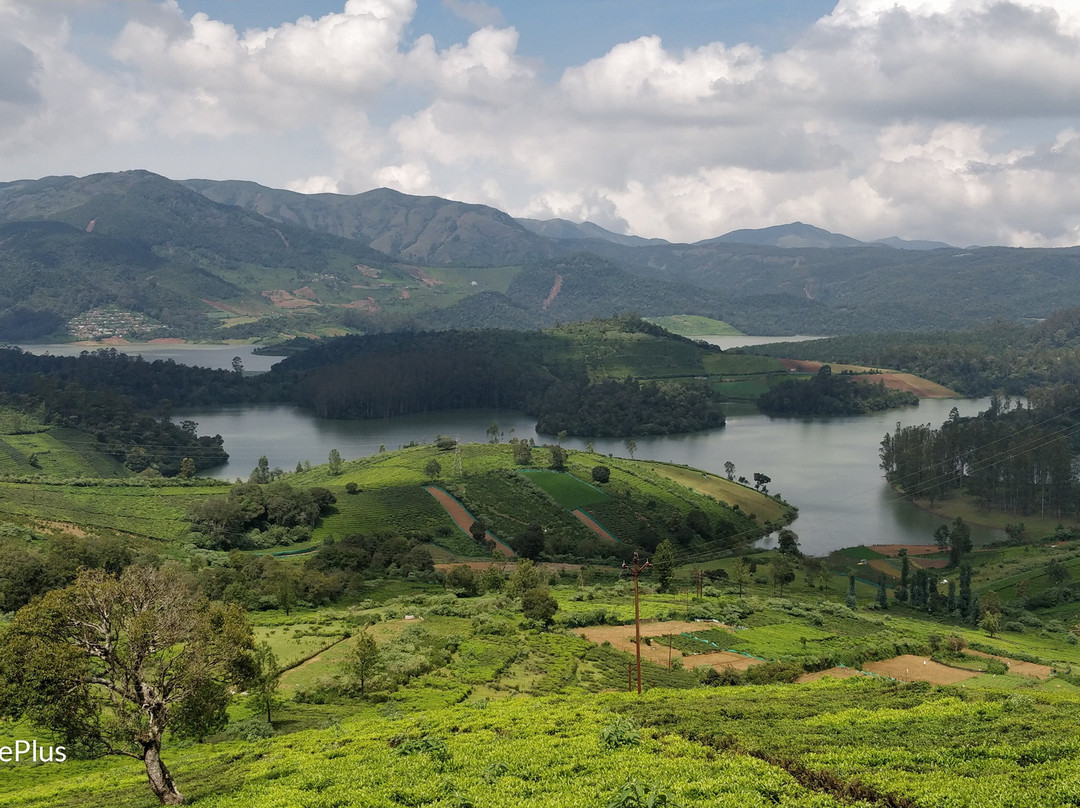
{"x": 210, "y": 259}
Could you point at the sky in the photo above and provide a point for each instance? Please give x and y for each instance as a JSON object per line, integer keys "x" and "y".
{"x": 948, "y": 120}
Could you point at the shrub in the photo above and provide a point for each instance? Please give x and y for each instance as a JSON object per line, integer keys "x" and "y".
{"x": 620, "y": 732}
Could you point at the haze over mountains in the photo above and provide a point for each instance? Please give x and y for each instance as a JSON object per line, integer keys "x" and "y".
{"x": 216, "y": 259}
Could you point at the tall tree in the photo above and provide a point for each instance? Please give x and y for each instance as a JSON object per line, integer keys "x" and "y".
{"x": 334, "y": 460}
{"x": 905, "y": 576}
{"x": 364, "y": 661}
{"x": 852, "y": 602}
{"x": 664, "y": 564}
{"x": 112, "y": 663}
{"x": 266, "y": 674}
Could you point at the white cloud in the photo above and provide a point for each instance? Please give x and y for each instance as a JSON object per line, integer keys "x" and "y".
{"x": 943, "y": 119}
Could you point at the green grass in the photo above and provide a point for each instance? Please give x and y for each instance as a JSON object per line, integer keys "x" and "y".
{"x": 566, "y": 489}
{"x": 695, "y": 325}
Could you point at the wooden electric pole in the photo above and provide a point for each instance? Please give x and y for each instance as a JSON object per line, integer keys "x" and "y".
{"x": 636, "y": 570}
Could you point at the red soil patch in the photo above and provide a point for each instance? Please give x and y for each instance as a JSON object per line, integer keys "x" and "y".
{"x": 424, "y": 278}
{"x": 214, "y": 304}
{"x": 555, "y": 288}
{"x": 287, "y": 300}
{"x": 592, "y": 525}
{"x": 930, "y": 563}
{"x": 367, "y": 272}
{"x": 168, "y": 341}
{"x": 911, "y": 668}
{"x": 835, "y": 673}
{"x": 307, "y": 292}
{"x": 462, "y": 518}
{"x": 801, "y": 365}
{"x": 1032, "y": 669}
{"x": 923, "y": 388}
{"x": 365, "y": 305}
{"x": 405, "y": 294}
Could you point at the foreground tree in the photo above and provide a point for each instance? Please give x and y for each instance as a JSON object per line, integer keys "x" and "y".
{"x": 664, "y": 563}
{"x": 110, "y": 663}
{"x": 266, "y": 674}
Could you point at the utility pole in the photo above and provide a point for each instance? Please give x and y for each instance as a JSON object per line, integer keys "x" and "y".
{"x": 636, "y": 570}
{"x": 698, "y": 576}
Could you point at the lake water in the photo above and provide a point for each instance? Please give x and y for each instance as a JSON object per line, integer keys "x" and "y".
{"x": 827, "y": 467}
{"x": 213, "y": 356}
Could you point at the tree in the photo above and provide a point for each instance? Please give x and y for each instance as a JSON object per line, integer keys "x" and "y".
{"x": 478, "y": 530}
{"x": 788, "y": 543}
{"x": 959, "y": 541}
{"x": 187, "y": 468}
{"x": 522, "y": 453}
{"x": 493, "y": 432}
{"x": 991, "y": 623}
{"x": 905, "y": 576}
{"x": 631, "y": 447}
{"x": 433, "y": 469}
{"x": 463, "y": 581}
{"x": 783, "y": 572}
{"x": 882, "y": 596}
{"x": 601, "y": 474}
{"x": 110, "y": 664}
{"x": 761, "y": 482}
{"x": 524, "y": 577}
{"x": 664, "y": 563}
{"x": 538, "y": 604}
{"x": 530, "y": 544}
{"x": 261, "y": 473}
{"x": 729, "y": 469}
{"x": 335, "y": 462}
{"x": 264, "y": 683}
{"x": 558, "y": 458}
{"x": 852, "y": 602}
{"x": 364, "y": 661}
{"x": 1057, "y": 572}
{"x": 741, "y": 575}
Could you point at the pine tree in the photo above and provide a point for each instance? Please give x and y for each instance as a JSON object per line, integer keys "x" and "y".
{"x": 852, "y": 603}
{"x": 905, "y": 576}
{"x": 882, "y": 596}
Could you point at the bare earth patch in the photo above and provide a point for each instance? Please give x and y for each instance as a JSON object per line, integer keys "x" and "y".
{"x": 462, "y": 518}
{"x": 923, "y": 388}
{"x": 622, "y": 638}
{"x": 911, "y": 668}
{"x": 592, "y": 525}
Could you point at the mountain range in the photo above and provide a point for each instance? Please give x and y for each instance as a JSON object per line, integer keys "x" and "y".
{"x": 210, "y": 259}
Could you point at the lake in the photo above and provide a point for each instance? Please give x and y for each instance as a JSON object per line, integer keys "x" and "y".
{"x": 828, "y": 467}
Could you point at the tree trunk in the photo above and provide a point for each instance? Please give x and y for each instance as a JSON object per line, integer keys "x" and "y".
{"x": 161, "y": 782}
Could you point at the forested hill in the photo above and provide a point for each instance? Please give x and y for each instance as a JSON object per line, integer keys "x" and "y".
{"x": 1001, "y": 356}
{"x": 139, "y": 255}
{"x": 604, "y": 378}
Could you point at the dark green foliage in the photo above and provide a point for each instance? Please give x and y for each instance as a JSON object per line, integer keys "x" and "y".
{"x": 663, "y": 562}
{"x": 538, "y": 604}
{"x": 530, "y": 544}
{"x": 1017, "y": 460}
{"x": 601, "y": 474}
{"x": 831, "y": 394}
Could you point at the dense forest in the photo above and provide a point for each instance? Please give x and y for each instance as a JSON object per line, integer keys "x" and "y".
{"x": 832, "y": 394}
{"x": 1016, "y": 459}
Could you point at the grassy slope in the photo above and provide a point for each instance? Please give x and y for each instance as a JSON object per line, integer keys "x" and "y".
{"x": 493, "y": 749}
{"x": 694, "y": 325}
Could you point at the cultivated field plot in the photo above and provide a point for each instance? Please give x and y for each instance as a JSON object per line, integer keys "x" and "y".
{"x": 911, "y": 668}
{"x": 656, "y": 649}
{"x": 566, "y": 489}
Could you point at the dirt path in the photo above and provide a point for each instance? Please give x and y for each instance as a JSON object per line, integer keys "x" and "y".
{"x": 462, "y": 518}
{"x": 911, "y": 668}
{"x": 593, "y": 525}
{"x": 1032, "y": 669}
